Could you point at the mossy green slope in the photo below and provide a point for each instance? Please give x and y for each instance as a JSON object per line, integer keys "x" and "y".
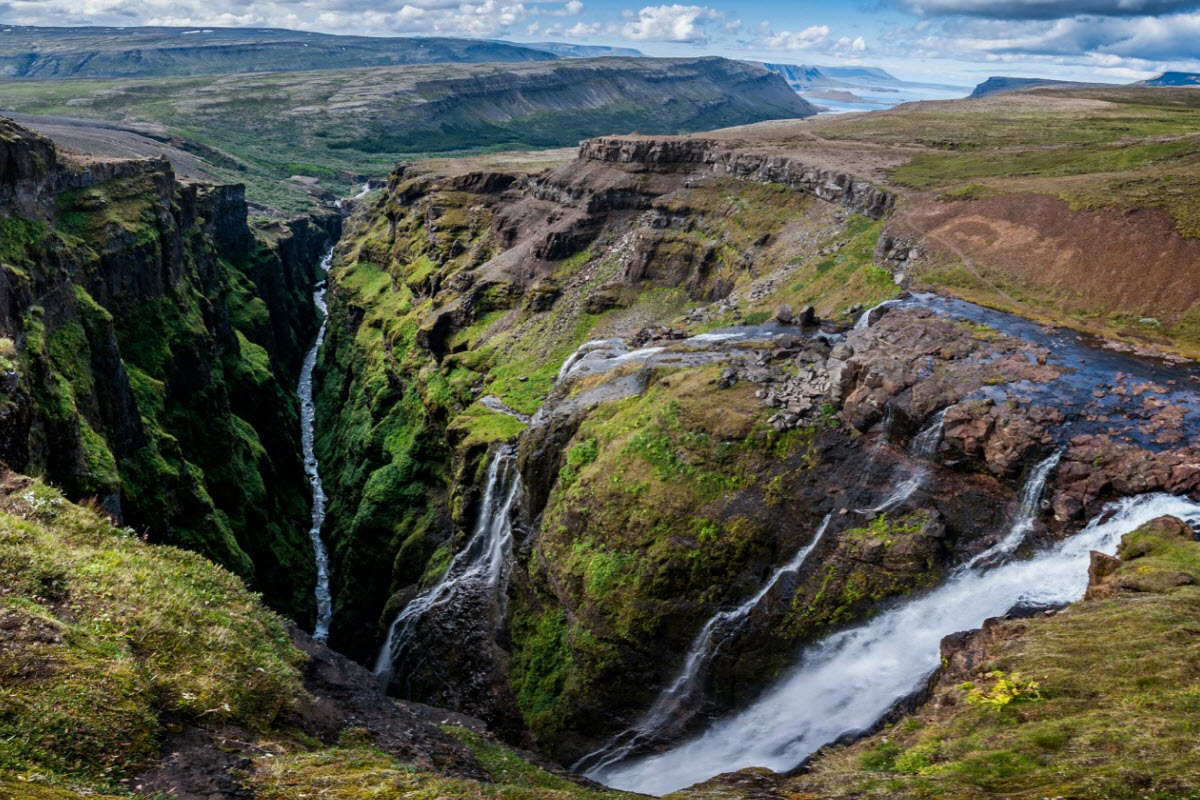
{"x": 104, "y": 634}
{"x": 107, "y": 643}
{"x": 154, "y": 339}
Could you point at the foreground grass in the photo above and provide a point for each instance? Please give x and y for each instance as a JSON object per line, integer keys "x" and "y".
{"x": 103, "y": 635}
{"x": 106, "y": 641}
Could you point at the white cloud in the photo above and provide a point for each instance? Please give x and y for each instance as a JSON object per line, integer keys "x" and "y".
{"x": 472, "y": 18}
{"x": 1116, "y": 46}
{"x": 1049, "y": 9}
{"x": 673, "y": 23}
{"x": 797, "y": 40}
{"x": 848, "y": 46}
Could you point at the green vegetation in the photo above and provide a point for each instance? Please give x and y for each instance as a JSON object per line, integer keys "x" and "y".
{"x": 151, "y": 403}
{"x": 261, "y": 129}
{"x": 104, "y": 635}
{"x": 641, "y": 536}
{"x": 1113, "y": 688}
{"x": 1006, "y": 689}
{"x": 1095, "y": 148}
{"x": 349, "y": 773}
{"x": 111, "y": 643}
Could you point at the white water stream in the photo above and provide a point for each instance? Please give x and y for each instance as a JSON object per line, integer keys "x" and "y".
{"x": 308, "y": 412}
{"x": 922, "y": 448}
{"x": 482, "y": 564}
{"x": 1027, "y": 513}
{"x": 668, "y": 706}
{"x": 848, "y": 681}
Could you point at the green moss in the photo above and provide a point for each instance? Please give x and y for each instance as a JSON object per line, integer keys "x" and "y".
{"x": 20, "y": 239}
{"x": 542, "y": 667}
{"x": 107, "y": 633}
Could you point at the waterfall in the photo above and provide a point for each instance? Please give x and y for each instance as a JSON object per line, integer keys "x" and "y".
{"x": 1027, "y": 512}
{"x": 922, "y": 448}
{"x": 481, "y": 564}
{"x": 864, "y": 322}
{"x": 668, "y": 706}
{"x": 848, "y": 681}
{"x": 308, "y": 411}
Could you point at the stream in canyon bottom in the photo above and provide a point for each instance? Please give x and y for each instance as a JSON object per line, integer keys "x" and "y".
{"x": 312, "y": 468}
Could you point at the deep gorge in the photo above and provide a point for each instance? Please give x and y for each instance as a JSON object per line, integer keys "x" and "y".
{"x": 153, "y": 336}
{"x": 643, "y": 463}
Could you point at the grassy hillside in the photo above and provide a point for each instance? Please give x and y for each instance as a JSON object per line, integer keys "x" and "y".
{"x": 110, "y": 647}
{"x": 337, "y": 126}
{"x": 32, "y": 52}
{"x": 1077, "y": 206}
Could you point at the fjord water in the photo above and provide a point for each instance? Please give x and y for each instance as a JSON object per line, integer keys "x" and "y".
{"x": 480, "y": 567}
{"x": 312, "y": 468}
{"x": 848, "y": 681}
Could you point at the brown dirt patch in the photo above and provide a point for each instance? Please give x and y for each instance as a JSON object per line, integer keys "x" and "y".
{"x": 1095, "y": 261}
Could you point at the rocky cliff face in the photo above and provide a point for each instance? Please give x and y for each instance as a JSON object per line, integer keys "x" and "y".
{"x": 151, "y": 338}
{"x": 842, "y": 188}
{"x": 454, "y": 287}
{"x": 665, "y": 477}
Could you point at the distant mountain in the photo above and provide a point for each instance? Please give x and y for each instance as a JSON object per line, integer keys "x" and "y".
{"x": 858, "y": 74}
{"x": 567, "y": 50}
{"x": 803, "y": 76}
{"x": 1173, "y": 79}
{"x": 29, "y": 52}
{"x": 1002, "y": 85}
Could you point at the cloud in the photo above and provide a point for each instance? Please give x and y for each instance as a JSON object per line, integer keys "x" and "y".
{"x": 848, "y": 46}
{"x": 797, "y": 40}
{"x": 673, "y": 23}
{"x": 471, "y": 18}
{"x": 1047, "y": 9}
{"x": 1117, "y": 46}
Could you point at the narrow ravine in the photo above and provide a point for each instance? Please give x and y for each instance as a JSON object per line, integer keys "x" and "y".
{"x": 308, "y": 413}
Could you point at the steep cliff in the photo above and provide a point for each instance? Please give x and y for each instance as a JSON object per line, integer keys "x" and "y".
{"x": 460, "y": 294}
{"x": 633, "y": 326}
{"x": 151, "y": 339}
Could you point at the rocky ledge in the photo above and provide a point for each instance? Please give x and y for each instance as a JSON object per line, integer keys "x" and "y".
{"x": 717, "y": 159}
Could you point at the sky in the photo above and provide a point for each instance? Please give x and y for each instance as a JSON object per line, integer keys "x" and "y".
{"x": 957, "y": 42}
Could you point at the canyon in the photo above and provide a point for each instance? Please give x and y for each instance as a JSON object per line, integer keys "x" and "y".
{"x": 710, "y": 465}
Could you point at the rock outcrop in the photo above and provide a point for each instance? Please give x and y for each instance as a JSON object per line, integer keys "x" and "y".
{"x": 711, "y": 157}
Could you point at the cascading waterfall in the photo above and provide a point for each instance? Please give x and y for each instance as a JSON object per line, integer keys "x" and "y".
{"x": 668, "y": 707}
{"x": 922, "y": 448}
{"x": 308, "y": 412}
{"x": 481, "y": 565}
{"x": 1027, "y": 512}
{"x": 864, "y": 322}
{"x": 848, "y": 681}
